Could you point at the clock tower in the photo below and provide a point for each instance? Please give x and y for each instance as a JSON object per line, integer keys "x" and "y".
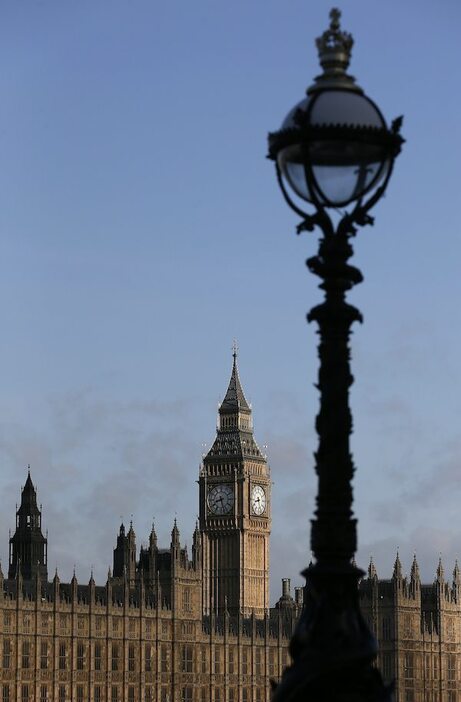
{"x": 235, "y": 515}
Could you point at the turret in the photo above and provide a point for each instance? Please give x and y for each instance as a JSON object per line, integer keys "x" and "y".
{"x": 74, "y": 588}
{"x": 153, "y": 539}
{"x": 125, "y": 554}
{"x": 397, "y": 574}
{"x": 196, "y": 546}
{"x": 456, "y": 587}
{"x": 414, "y": 573}
{"x": 372, "y": 572}
{"x": 28, "y": 546}
{"x": 175, "y": 545}
{"x": 56, "y": 586}
{"x": 440, "y": 573}
{"x": 285, "y": 601}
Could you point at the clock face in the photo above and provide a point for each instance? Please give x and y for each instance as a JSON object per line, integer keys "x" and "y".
{"x": 258, "y": 500}
{"x": 221, "y": 499}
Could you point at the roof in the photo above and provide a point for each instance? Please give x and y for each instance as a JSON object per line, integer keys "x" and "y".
{"x": 234, "y": 399}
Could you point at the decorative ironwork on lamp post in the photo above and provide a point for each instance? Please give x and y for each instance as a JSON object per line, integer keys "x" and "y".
{"x": 336, "y": 153}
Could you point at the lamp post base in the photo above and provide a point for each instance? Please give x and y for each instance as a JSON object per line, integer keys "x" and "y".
{"x": 332, "y": 648}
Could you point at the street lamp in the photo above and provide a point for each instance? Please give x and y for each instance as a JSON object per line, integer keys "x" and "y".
{"x": 334, "y": 152}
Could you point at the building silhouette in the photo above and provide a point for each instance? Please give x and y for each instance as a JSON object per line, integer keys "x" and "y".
{"x": 166, "y": 626}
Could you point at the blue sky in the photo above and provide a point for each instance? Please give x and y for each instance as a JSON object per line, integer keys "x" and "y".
{"x": 141, "y": 231}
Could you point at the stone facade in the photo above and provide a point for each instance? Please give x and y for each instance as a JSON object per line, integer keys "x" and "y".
{"x": 418, "y": 628}
{"x": 165, "y": 627}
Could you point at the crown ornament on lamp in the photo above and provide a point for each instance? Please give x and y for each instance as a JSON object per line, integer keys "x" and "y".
{"x": 334, "y": 47}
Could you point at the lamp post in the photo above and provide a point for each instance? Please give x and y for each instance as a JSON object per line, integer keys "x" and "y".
{"x": 334, "y": 152}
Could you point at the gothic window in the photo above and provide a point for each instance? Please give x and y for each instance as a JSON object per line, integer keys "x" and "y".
{"x": 186, "y": 599}
{"x": 258, "y": 663}
{"x": 244, "y": 662}
{"x": 99, "y": 624}
{"x": 203, "y": 659}
{"x": 81, "y": 623}
{"x": 245, "y": 695}
{"x": 435, "y": 667}
{"x": 271, "y": 662}
{"x": 164, "y": 696}
{"x": 148, "y": 627}
{"x": 258, "y": 695}
{"x": 217, "y": 661}
{"x": 131, "y": 694}
{"x": 231, "y": 661}
{"x": 6, "y": 653}
{"x": 147, "y": 658}
{"x": 452, "y": 696}
{"x": 217, "y": 694}
{"x": 97, "y": 656}
{"x": 79, "y": 693}
{"x": 387, "y": 665}
{"x": 186, "y": 694}
{"x": 131, "y": 660}
{"x": 62, "y": 656}
{"x": 45, "y": 620}
{"x": 115, "y": 625}
{"x": 186, "y": 659}
{"x": 148, "y": 694}
{"x": 43, "y": 655}
{"x": 6, "y": 693}
{"x": 25, "y": 693}
{"x": 80, "y": 656}
{"x": 97, "y": 694}
{"x": 408, "y": 665}
{"x": 62, "y": 693}
{"x": 115, "y": 657}
{"x": 26, "y": 623}
{"x": 62, "y": 621}
{"x": 43, "y": 693}
{"x": 164, "y": 659}
{"x": 6, "y": 621}
{"x": 132, "y": 625}
{"x": 451, "y": 665}
{"x": 114, "y": 694}
{"x": 231, "y": 694}
{"x": 386, "y": 628}
{"x": 408, "y": 695}
{"x": 204, "y": 694}
{"x": 25, "y": 657}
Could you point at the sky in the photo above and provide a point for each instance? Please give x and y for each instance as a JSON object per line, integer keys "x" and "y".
{"x": 142, "y": 231}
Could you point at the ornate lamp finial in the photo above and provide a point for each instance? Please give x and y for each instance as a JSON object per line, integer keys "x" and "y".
{"x": 334, "y": 47}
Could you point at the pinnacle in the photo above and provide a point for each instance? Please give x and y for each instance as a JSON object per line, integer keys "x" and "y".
{"x": 234, "y": 399}
{"x": 440, "y": 570}
{"x": 397, "y": 574}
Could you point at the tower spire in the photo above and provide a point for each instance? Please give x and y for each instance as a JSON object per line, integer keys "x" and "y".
{"x": 234, "y": 399}
{"x": 28, "y": 546}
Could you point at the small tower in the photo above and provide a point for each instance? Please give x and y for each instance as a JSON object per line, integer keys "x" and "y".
{"x": 125, "y": 554}
{"x": 28, "y": 546}
{"x": 372, "y": 572}
{"x": 175, "y": 545}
